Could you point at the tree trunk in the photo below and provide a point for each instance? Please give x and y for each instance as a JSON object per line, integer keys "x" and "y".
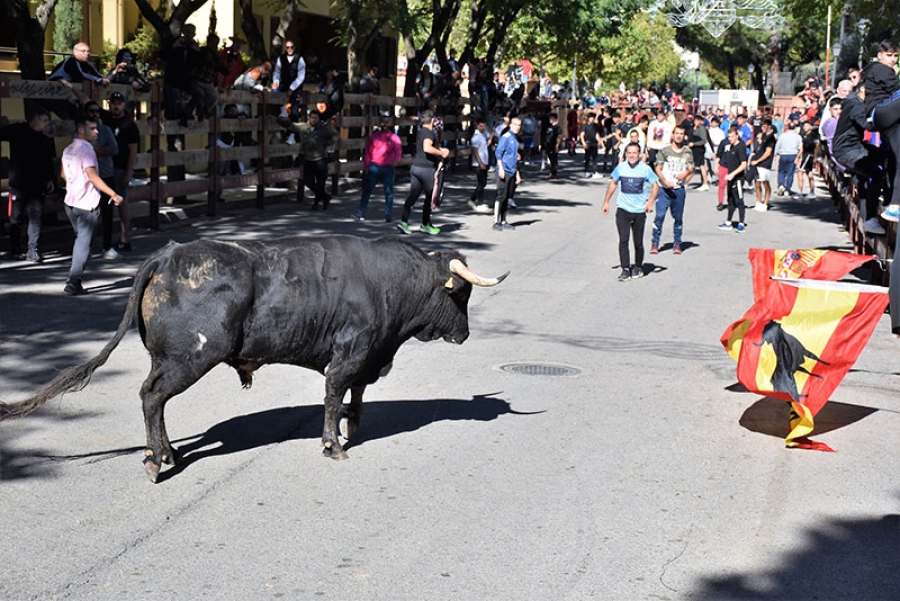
{"x": 31, "y": 30}
{"x": 283, "y": 23}
{"x": 253, "y": 34}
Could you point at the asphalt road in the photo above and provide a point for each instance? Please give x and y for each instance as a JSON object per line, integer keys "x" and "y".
{"x": 645, "y": 475}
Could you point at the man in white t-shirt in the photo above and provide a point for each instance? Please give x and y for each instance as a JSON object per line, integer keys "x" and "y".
{"x": 83, "y": 188}
{"x": 659, "y": 134}
{"x": 480, "y": 162}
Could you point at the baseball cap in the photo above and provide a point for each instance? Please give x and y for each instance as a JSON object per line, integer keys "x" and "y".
{"x": 117, "y": 96}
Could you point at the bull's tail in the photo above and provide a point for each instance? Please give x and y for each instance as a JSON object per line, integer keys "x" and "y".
{"x": 76, "y": 378}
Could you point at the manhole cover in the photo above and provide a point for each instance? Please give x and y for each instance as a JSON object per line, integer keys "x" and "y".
{"x": 540, "y": 369}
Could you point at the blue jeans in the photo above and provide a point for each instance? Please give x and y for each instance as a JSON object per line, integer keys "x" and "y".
{"x": 83, "y": 222}
{"x": 669, "y": 200}
{"x": 375, "y": 174}
{"x": 786, "y": 168}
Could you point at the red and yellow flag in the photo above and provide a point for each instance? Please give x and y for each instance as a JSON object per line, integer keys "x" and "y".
{"x": 767, "y": 263}
{"x": 798, "y": 342}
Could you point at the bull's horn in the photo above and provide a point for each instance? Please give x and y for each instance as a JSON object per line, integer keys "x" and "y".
{"x": 459, "y": 268}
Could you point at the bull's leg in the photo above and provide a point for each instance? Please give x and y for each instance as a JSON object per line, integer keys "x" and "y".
{"x": 353, "y": 414}
{"x": 159, "y": 450}
{"x": 333, "y": 412}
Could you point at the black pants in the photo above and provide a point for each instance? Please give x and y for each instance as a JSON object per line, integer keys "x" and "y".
{"x": 630, "y": 224}
{"x": 106, "y": 214}
{"x": 886, "y": 118}
{"x": 553, "y": 157}
{"x": 24, "y": 207}
{"x": 590, "y": 157}
{"x": 421, "y": 180}
{"x": 315, "y": 174}
{"x": 480, "y": 183}
{"x": 505, "y": 189}
{"x": 871, "y": 179}
{"x": 735, "y": 193}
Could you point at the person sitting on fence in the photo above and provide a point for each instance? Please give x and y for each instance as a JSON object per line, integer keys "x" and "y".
{"x": 333, "y": 89}
{"x": 862, "y": 160}
{"x": 316, "y": 140}
{"x": 883, "y": 109}
{"x": 425, "y": 86}
{"x": 209, "y": 68}
{"x": 126, "y": 72}
{"x": 182, "y": 60}
{"x": 74, "y": 70}
{"x": 253, "y": 80}
{"x": 290, "y": 73}
{"x": 233, "y": 61}
{"x": 230, "y": 139}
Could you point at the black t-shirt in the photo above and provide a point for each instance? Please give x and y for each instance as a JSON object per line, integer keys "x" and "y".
{"x": 31, "y": 158}
{"x": 590, "y": 131}
{"x": 809, "y": 141}
{"x": 759, "y": 149}
{"x": 422, "y": 158}
{"x": 126, "y": 132}
{"x": 732, "y": 155}
{"x": 551, "y": 135}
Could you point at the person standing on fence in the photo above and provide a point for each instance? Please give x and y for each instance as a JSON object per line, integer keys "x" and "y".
{"x": 316, "y": 138}
{"x": 883, "y": 109}
{"x": 32, "y": 173}
{"x": 127, "y": 137}
{"x": 480, "y": 160}
{"x": 182, "y": 60}
{"x": 233, "y": 61}
{"x": 383, "y": 152}
{"x": 422, "y": 175}
{"x": 83, "y": 190}
{"x": 289, "y": 75}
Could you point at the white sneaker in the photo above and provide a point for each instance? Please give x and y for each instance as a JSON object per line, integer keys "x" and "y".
{"x": 703, "y": 188}
{"x": 483, "y": 208}
{"x": 111, "y": 255}
{"x": 761, "y": 207}
{"x": 512, "y": 204}
{"x": 872, "y": 226}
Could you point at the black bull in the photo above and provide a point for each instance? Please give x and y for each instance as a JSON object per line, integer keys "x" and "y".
{"x": 339, "y": 302}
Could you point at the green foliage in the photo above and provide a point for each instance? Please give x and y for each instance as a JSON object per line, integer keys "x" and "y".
{"x": 644, "y": 49}
{"x": 145, "y": 44}
{"x": 67, "y": 22}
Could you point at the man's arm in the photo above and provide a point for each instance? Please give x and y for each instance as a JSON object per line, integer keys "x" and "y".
{"x": 98, "y": 183}
{"x": 610, "y": 190}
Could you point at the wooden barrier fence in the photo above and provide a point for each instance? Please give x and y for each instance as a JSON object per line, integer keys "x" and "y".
{"x": 169, "y": 148}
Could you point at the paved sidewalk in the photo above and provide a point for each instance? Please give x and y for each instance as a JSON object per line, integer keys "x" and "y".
{"x": 645, "y": 475}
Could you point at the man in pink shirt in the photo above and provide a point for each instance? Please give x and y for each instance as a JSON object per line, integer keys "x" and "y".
{"x": 383, "y": 151}
{"x": 83, "y": 188}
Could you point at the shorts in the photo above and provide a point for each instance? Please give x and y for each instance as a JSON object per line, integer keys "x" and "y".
{"x": 528, "y": 141}
{"x": 763, "y": 174}
{"x": 806, "y": 163}
{"x": 699, "y": 154}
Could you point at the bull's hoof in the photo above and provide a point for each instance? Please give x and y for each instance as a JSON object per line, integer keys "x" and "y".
{"x": 335, "y": 453}
{"x": 171, "y": 457}
{"x": 152, "y": 469}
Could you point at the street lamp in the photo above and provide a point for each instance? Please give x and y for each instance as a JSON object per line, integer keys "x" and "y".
{"x": 697, "y": 85}
{"x": 836, "y": 50}
{"x": 750, "y": 69}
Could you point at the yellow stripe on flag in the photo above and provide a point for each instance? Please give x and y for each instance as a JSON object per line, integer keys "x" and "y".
{"x": 802, "y": 424}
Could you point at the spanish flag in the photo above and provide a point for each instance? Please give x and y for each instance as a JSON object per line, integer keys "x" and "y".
{"x": 798, "y": 342}
{"x": 810, "y": 263}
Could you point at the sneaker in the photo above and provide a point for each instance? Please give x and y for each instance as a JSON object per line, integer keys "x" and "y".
{"x": 588, "y": 175}
{"x": 761, "y": 207}
{"x": 507, "y": 225}
{"x": 721, "y": 207}
{"x": 726, "y": 226}
{"x": 637, "y": 272}
{"x": 676, "y": 250}
{"x": 429, "y": 229}
{"x": 654, "y": 249}
{"x": 740, "y": 228}
{"x": 34, "y": 256}
{"x": 111, "y": 255}
{"x": 483, "y": 208}
{"x": 551, "y": 176}
{"x": 892, "y": 213}
{"x": 403, "y": 227}
{"x": 357, "y": 217}
{"x": 810, "y": 196}
{"x": 780, "y": 191}
{"x": 123, "y": 247}
{"x": 498, "y": 227}
{"x": 872, "y": 226}
{"x": 512, "y": 204}
{"x": 625, "y": 275}
{"x": 472, "y": 204}
{"x": 74, "y": 288}
{"x": 703, "y": 188}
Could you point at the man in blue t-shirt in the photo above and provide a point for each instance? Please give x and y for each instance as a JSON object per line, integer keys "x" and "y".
{"x": 639, "y": 187}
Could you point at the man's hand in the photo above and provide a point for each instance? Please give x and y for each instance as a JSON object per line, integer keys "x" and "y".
{"x": 606, "y": 207}
{"x": 500, "y": 172}
{"x": 116, "y": 199}
{"x": 445, "y": 152}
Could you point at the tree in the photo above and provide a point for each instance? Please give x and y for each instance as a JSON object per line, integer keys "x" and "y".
{"x": 31, "y": 35}
{"x": 169, "y": 28}
{"x": 66, "y": 25}
{"x": 644, "y": 49}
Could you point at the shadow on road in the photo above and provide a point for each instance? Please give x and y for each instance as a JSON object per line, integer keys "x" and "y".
{"x": 772, "y": 417}
{"x": 381, "y": 419}
{"x": 841, "y": 559}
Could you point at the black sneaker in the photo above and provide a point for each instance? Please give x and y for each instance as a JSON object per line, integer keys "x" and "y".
{"x": 74, "y": 288}
{"x": 637, "y": 272}
{"x": 498, "y": 227}
{"x": 625, "y": 275}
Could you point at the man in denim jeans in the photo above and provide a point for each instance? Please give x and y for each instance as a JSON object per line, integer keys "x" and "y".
{"x": 383, "y": 151}
{"x": 83, "y": 189}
